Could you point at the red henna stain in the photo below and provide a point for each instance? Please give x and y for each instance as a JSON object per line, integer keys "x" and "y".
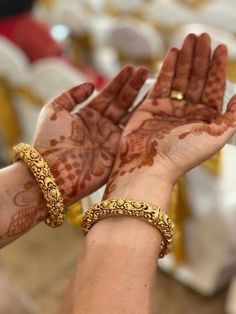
{"x": 210, "y": 84}
{"x": 53, "y": 117}
{"x": 215, "y": 90}
{"x": 29, "y": 185}
{"x": 126, "y": 97}
{"x": 30, "y": 203}
{"x": 71, "y": 176}
{"x": 60, "y": 181}
{"x": 89, "y": 157}
{"x": 68, "y": 167}
{"x": 89, "y": 113}
{"x": 53, "y": 142}
{"x": 218, "y": 128}
{"x": 136, "y": 83}
{"x": 155, "y": 102}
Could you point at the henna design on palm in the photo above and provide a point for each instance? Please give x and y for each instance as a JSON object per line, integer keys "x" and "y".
{"x": 80, "y": 146}
{"x": 162, "y": 131}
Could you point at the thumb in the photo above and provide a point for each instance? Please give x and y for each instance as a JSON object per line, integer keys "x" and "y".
{"x": 230, "y": 115}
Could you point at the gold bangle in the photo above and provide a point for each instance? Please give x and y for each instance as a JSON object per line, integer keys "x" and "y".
{"x": 46, "y": 181}
{"x": 124, "y": 207}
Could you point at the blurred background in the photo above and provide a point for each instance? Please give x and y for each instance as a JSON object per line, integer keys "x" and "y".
{"x": 47, "y": 46}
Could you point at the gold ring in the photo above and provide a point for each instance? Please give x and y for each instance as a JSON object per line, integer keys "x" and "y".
{"x": 176, "y": 95}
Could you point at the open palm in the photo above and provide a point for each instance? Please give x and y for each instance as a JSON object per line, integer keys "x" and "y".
{"x": 80, "y": 146}
{"x": 167, "y": 137}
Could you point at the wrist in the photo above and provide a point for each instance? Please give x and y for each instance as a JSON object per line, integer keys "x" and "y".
{"x": 22, "y": 175}
{"x": 150, "y": 189}
{"x": 125, "y": 233}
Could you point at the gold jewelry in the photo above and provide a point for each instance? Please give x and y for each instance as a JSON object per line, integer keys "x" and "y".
{"x": 176, "y": 95}
{"x": 124, "y": 207}
{"x": 46, "y": 181}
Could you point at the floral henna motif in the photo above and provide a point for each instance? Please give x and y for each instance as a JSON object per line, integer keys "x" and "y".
{"x": 217, "y": 128}
{"x": 31, "y": 207}
{"x": 88, "y": 154}
{"x": 139, "y": 148}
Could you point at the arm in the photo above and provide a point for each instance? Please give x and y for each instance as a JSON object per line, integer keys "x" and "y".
{"x": 22, "y": 205}
{"x": 116, "y": 269}
{"x": 164, "y": 139}
{"x": 79, "y": 148}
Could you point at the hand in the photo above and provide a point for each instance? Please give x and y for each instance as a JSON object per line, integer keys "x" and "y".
{"x": 80, "y": 147}
{"x": 165, "y": 138}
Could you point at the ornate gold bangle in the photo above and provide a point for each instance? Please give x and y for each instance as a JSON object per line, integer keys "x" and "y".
{"x": 46, "y": 181}
{"x": 124, "y": 207}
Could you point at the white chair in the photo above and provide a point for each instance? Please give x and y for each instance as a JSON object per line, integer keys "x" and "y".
{"x": 14, "y": 72}
{"x": 167, "y": 14}
{"x": 219, "y": 13}
{"x": 136, "y": 41}
{"x": 123, "y": 6}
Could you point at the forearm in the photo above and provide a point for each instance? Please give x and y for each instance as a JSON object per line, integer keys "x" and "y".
{"x": 22, "y": 204}
{"x": 116, "y": 269}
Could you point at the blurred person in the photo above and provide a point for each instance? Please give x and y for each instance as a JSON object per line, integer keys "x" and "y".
{"x": 19, "y": 25}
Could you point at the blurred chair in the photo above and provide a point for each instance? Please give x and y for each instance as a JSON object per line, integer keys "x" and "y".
{"x": 220, "y": 13}
{"x": 25, "y": 88}
{"x": 130, "y": 8}
{"x": 166, "y": 15}
{"x": 194, "y": 4}
{"x": 14, "y": 67}
{"x": 230, "y": 307}
{"x": 136, "y": 42}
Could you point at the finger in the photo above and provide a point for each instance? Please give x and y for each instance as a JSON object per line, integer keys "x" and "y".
{"x": 162, "y": 86}
{"x": 184, "y": 64}
{"x": 232, "y": 105}
{"x": 70, "y": 98}
{"x": 119, "y": 107}
{"x": 225, "y": 125}
{"x": 213, "y": 94}
{"x": 200, "y": 67}
{"x": 111, "y": 91}
{"x": 230, "y": 115}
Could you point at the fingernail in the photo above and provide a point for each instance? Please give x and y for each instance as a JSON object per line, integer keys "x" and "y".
{"x": 128, "y": 69}
{"x": 143, "y": 72}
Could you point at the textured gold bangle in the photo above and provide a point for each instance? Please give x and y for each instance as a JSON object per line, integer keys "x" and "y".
{"x": 124, "y": 207}
{"x": 46, "y": 181}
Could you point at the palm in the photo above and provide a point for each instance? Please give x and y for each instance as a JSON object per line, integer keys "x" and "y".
{"x": 168, "y": 137}
{"x": 80, "y": 147}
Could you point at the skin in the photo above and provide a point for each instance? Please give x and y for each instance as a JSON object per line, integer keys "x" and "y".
{"x": 163, "y": 139}
{"x": 79, "y": 147}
